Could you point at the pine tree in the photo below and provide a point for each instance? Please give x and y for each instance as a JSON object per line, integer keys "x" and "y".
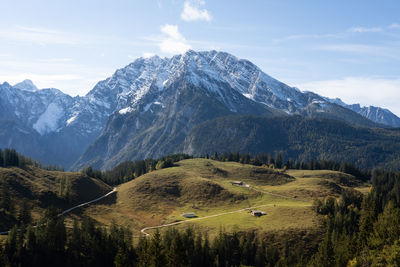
{"x": 1, "y": 158}
{"x": 30, "y": 243}
{"x": 142, "y": 251}
{"x": 24, "y": 215}
{"x": 197, "y": 258}
{"x": 10, "y": 158}
{"x": 6, "y": 202}
{"x": 206, "y": 253}
{"x": 260, "y": 256}
{"x": 176, "y": 256}
{"x": 279, "y": 161}
{"x": 156, "y": 253}
{"x": 122, "y": 258}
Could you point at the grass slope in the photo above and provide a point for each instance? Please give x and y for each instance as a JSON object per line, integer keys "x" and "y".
{"x": 41, "y": 189}
{"x": 204, "y": 186}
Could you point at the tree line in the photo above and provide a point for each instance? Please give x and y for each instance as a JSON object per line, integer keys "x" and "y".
{"x": 129, "y": 170}
{"x": 361, "y": 230}
{"x": 52, "y": 243}
{"x": 277, "y": 161}
{"x": 11, "y": 158}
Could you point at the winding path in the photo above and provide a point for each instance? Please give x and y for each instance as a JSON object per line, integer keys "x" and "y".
{"x": 87, "y": 203}
{"x": 75, "y": 207}
{"x": 143, "y": 231}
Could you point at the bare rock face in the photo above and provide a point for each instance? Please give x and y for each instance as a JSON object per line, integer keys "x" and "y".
{"x": 147, "y": 109}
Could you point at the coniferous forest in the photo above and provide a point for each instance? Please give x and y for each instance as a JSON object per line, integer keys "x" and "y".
{"x": 360, "y": 230}
{"x": 199, "y": 133}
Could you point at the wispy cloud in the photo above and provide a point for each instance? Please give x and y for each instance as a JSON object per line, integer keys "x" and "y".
{"x": 192, "y": 11}
{"x": 48, "y": 79}
{"x": 173, "y": 42}
{"x": 56, "y": 60}
{"x": 66, "y": 75}
{"x": 144, "y": 55}
{"x": 351, "y": 48}
{"x": 47, "y": 36}
{"x": 386, "y": 50}
{"x": 359, "y": 29}
{"x": 40, "y": 36}
{"x": 394, "y": 26}
{"x": 375, "y": 91}
{"x": 148, "y": 55}
{"x": 309, "y": 36}
{"x": 338, "y": 35}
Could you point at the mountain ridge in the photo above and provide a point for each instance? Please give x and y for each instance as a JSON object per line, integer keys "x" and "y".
{"x": 140, "y": 100}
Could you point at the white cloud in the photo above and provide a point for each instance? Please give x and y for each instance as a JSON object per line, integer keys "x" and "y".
{"x": 148, "y": 55}
{"x": 173, "y": 41}
{"x": 365, "y": 30}
{"x": 364, "y": 90}
{"x": 172, "y": 31}
{"x": 41, "y": 36}
{"x": 394, "y": 26}
{"x": 56, "y": 60}
{"x": 352, "y": 48}
{"x": 59, "y": 73}
{"x": 388, "y": 50}
{"x": 43, "y": 80}
{"x": 192, "y": 11}
{"x": 309, "y": 36}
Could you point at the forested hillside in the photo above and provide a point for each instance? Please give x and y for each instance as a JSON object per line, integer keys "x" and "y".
{"x": 298, "y": 138}
{"x": 27, "y": 188}
{"x": 360, "y": 231}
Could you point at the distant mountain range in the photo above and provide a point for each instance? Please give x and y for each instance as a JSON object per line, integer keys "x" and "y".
{"x": 150, "y": 107}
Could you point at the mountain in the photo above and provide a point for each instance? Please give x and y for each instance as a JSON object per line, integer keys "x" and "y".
{"x": 376, "y": 114}
{"x": 26, "y": 85}
{"x": 159, "y": 100}
{"x": 167, "y": 97}
{"x": 148, "y": 108}
{"x": 299, "y": 138}
{"x": 47, "y": 124}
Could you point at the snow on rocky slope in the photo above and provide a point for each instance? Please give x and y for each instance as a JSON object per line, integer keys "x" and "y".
{"x": 144, "y": 86}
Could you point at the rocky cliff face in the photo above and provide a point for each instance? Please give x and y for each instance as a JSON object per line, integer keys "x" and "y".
{"x": 147, "y": 108}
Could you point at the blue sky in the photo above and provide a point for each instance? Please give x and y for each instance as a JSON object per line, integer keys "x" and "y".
{"x": 346, "y": 49}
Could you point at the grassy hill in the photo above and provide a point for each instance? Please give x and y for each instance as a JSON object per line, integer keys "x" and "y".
{"x": 204, "y": 187}
{"x": 41, "y": 189}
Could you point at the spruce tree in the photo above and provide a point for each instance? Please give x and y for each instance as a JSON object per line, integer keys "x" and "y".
{"x": 156, "y": 253}
{"x": 122, "y": 258}
{"x": 1, "y": 158}
{"x": 176, "y": 256}
{"x": 24, "y": 215}
{"x": 279, "y": 161}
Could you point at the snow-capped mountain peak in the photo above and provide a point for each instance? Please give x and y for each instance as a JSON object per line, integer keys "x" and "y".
{"x": 219, "y": 73}
{"x": 377, "y": 114}
{"x": 151, "y": 90}
{"x": 26, "y": 85}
